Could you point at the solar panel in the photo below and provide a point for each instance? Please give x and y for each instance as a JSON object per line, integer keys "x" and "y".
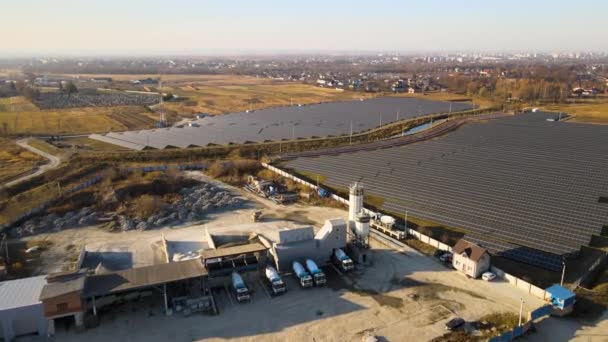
{"x": 279, "y": 123}
{"x": 518, "y": 183}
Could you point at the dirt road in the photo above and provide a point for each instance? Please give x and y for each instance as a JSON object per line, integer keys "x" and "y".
{"x": 54, "y": 162}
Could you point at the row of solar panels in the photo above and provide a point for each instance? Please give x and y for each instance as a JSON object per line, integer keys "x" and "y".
{"x": 520, "y": 179}
{"x": 282, "y": 123}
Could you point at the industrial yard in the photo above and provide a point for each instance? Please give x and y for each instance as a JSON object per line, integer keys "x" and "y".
{"x": 381, "y": 304}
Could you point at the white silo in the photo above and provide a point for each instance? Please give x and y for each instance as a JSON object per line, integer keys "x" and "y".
{"x": 362, "y": 227}
{"x": 355, "y": 199}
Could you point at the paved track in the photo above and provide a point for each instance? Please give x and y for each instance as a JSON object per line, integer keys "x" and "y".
{"x": 54, "y": 162}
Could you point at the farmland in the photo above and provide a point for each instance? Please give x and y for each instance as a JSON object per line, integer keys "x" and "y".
{"x": 15, "y": 160}
{"x": 591, "y": 112}
{"x": 23, "y": 118}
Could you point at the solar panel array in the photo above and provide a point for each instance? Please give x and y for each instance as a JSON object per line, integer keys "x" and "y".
{"x": 275, "y": 124}
{"x": 526, "y": 187}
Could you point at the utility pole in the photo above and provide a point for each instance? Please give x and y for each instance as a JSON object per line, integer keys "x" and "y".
{"x": 521, "y": 310}
{"x": 5, "y": 243}
{"x": 351, "y": 132}
{"x": 405, "y": 220}
{"x": 561, "y": 283}
{"x": 293, "y": 132}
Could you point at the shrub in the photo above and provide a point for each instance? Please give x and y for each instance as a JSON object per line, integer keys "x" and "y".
{"x": 146, "y": 205}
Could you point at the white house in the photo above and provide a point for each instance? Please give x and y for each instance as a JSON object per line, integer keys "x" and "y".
{"x": 470, "y": 259}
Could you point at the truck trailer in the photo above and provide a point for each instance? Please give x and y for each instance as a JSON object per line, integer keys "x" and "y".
{"x": 241, "y": 292}
{"x": 317, "y": 275}
{"x": 274, "y": 279}
{"x": 343, "y": 261}
{"x": 302, "y": 275}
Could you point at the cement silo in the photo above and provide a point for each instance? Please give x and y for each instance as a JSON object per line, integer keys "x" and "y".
{"x": 355, "y": 199}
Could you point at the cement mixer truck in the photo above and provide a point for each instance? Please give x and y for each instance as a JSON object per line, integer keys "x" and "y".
{"x": 317, "y": 274}
{"x": 241, "y": 291}
{"x": 303, "y": 277}
{"x": 274, "y": 280}
{"x": 342, "y": 260}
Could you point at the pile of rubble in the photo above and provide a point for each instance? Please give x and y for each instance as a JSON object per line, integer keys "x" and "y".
{"x": 58, "y": 100}
{"x": 53, "y": 222}
{"x": 194, "y": 204}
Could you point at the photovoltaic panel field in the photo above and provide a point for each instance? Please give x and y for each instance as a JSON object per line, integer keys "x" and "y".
{"x": 275, "y": 124}
{"x": 523, "y": 186}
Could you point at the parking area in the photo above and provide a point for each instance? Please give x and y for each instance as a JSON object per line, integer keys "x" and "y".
{"x": 402, "y": 296}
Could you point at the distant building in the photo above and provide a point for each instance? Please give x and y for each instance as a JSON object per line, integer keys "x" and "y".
{"x": 412, "y": 90}
{"x": 470, "y": 259}
{"x": 101, "y": 79}
{"x": 146, "y": 81}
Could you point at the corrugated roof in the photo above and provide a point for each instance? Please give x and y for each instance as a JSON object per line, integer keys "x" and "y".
{"x": 230, "y": 251}
{"x": 140, "y": 277}
{"x": 65, "y": 286}
{"x": 21, "y": 292}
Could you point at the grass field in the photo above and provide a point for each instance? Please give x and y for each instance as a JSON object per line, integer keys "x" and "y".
{"x": 23, "y": 118}
{"x": 15, "y": 160}
{"x": 214, "y": 98}
{"x": 592, "y": 112}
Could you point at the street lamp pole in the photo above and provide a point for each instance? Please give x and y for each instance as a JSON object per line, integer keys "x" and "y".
{"x": 521, "y": 310}
{"x": 561, "y": 283}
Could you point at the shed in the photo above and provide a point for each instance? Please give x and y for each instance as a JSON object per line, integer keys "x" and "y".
{"x": 560, "y": 297}
{"x": 21, "y": 311}
{"x": 470, "y": 258}
{"x": 62, "y": 298}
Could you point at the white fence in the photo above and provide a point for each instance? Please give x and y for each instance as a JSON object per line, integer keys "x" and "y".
{"x": 519, "y": 283}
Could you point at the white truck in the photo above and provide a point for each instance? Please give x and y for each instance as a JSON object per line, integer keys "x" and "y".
{"x": 343, "y": 261}
{"x": 303, "y": 276}
{"x": 317, "y": 274}
{"x": 274, "y": 279}
{"x": 240, "y": 289}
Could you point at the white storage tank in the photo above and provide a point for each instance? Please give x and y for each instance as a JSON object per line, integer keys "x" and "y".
{"x": 355, "y": 198}
{"x": 362, "y": 226}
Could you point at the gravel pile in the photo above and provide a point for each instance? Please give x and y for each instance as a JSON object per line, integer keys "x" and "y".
{"x": 195, "y": 203}
{"x": 53, "y": 222}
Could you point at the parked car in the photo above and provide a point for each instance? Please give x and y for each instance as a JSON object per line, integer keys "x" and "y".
{"x": 454, "y": 323}
{"x": 438, "y": 253}
{"x": 488, "y": 276}
{"x": 446, "y": 257}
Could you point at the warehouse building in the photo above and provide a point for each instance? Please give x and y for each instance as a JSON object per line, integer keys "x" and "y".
{"x": 300, "y": 244}
{"x": 21, "y": 311}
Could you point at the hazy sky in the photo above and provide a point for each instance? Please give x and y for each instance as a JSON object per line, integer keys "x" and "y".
{"x": 143, "y": 26}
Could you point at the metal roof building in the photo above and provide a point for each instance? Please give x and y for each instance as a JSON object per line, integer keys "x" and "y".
{"x": 21, "y": 310}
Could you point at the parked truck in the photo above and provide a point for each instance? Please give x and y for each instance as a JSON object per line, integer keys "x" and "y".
{"x": 274, "y": 279}
{"x": 342, "y": 260}
{"x": 303, "y": 276}
{"x": 240, "y": 289}
{"x": 317, "y": 275}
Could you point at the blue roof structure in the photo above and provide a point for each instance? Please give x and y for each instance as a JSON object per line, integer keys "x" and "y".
{"x": 560, "y": 292}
